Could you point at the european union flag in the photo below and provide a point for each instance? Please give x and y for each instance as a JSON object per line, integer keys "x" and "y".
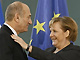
{"x": 1, "y": 15}
{"x": 46, "y": 10}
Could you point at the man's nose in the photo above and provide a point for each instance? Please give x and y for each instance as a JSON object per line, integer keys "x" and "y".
{"x": 30, "y": 21}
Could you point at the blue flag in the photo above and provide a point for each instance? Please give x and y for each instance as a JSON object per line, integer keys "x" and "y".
{"x": 46, "y": 10}
{"x": 1, "y": 15}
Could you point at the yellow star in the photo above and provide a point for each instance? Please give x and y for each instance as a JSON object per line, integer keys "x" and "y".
{"x": 39, "y": 26}
{"x": 55, "y": 15}
{"x": 30, "y": 42}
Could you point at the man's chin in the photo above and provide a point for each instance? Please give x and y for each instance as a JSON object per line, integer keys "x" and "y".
{"x": 24, "y": 31}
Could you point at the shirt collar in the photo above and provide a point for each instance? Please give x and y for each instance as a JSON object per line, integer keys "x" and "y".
{"x": 11, "y": 29}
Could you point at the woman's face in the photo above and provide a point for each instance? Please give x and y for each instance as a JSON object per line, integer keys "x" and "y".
{"x": 57, "y": 35}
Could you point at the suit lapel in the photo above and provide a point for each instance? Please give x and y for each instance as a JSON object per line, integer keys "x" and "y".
{"x": 7, "y": 29}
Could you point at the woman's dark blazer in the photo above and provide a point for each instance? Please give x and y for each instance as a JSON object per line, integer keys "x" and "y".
{"x": 71, "y": 52}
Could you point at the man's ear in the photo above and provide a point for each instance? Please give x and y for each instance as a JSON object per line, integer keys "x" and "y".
{"x": 67, "y": 33}
{"x": 16, "y": 17}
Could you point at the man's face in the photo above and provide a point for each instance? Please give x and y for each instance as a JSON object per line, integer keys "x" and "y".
{"x": 25, "y": 20}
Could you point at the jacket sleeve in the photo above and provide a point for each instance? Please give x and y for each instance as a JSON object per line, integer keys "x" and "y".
{"x": 39, "y": 54}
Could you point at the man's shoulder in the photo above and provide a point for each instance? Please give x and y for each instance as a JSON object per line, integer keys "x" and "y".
{"x": 3, "y": 32}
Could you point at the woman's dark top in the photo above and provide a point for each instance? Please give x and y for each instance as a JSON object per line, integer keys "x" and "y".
{"x": 71, "y": 52}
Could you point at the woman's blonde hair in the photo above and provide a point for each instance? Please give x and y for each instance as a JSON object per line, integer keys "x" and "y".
{"x": 67, "y": 23}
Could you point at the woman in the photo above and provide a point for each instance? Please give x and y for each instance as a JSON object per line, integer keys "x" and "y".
{"x": 63, "y": 30}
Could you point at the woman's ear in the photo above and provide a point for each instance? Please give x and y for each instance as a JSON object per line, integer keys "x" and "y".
{"x": 16, "y": 17}
{"x": 67, "y": 33}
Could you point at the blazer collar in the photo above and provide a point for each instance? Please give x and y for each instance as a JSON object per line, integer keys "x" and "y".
{"x": 7, "y": 29}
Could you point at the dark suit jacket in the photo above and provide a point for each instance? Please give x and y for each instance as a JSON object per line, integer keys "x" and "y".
{"x": 71, "y": 52}
{"x": 10, "y": 50}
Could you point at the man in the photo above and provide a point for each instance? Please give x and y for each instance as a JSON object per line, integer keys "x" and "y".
{"x": 17, "y": 20}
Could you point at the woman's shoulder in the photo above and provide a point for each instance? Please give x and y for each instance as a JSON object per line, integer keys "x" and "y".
{"x": 51, "y": 49}
{"x": 76, "y": 47}
{"x": 72, "y": 47}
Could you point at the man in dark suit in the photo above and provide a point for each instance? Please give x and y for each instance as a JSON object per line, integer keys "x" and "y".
{"x": 17, "y": 20}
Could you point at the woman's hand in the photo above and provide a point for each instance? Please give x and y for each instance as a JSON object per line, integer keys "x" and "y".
{"x": 20, "y": 41}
